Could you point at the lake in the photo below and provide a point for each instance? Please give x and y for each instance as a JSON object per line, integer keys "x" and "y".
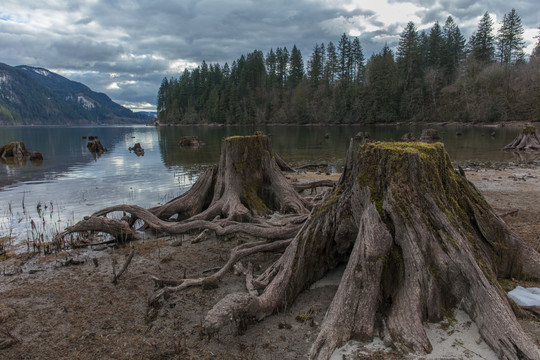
{"x": 71, "y": 183}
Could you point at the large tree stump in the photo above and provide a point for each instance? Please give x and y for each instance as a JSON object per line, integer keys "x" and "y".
{"x": 245, "y": 185}
{"x": 526, "y": 140}
{"x": 418, "y": 240}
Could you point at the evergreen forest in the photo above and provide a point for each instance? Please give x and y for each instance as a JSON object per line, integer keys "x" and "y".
{"x": 433, "y": 75}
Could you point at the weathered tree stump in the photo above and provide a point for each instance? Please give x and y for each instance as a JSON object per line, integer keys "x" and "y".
{"x": 95, "y": 147}
{"x": 15, "y": 153}
{"x": 408, "y": 137}
{"x": 526, "y": 140}
{"x": 430, "y": 135}
{"x": 418, "y": 240}
{"x": 137, "y": 149}
{"x": 15, "y": 150}
{"x": 246, "y": 184}
{"x": 190, "y": 141}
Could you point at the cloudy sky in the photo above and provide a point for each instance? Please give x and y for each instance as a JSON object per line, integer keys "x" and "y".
{"x": 125, "y": 47}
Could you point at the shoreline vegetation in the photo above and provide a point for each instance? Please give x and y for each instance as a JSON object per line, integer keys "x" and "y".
{"x": 433, "y": 75}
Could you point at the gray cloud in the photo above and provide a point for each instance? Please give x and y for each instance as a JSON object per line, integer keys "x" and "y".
{"x": 125, "y": 48}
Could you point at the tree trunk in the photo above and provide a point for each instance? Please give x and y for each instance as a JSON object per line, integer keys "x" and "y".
{"x": 418, "y": 240}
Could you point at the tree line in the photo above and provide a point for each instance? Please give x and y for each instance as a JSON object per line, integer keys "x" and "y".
{"x": 434, "y": 75}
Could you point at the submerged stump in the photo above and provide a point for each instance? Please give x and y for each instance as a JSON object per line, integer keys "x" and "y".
{"x": 418, "y": 239}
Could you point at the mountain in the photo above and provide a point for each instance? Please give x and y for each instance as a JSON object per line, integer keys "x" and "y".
{"x": 37, "y": 96}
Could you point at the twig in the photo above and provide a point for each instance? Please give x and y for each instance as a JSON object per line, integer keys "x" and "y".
{"x": 510, "y": 213}
{"x": 126, "y": 264}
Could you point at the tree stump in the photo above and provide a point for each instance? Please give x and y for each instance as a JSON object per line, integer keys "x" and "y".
{"x": 418, "y": 240}
{"x": 526, "y": 140}
{"x": 16, "y": 150}
{"x": 228, "y": 198}
{"x": 95, "y": 147}
{"x": 137, "y": 149}
{"x": 190, "y": 141}
{"x": 430, "y": 135}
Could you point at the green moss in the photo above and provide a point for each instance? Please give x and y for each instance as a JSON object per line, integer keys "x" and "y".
{"x": 253, "y": 201}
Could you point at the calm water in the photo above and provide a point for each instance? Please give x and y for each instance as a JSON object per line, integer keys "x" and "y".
{"x": 70, "y": 183}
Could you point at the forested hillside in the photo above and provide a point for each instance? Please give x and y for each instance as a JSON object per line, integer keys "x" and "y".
{"x": 434, "y": 75}
{"x": 30, "y": 95}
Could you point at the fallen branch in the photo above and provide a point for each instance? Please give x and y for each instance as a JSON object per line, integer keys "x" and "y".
{"x": 510, "y": 213}
{"x": 126, "y": 264}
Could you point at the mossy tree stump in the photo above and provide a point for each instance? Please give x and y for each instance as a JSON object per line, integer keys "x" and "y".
{"x": 245, "y": 185}
{"x": 418, "y": 240}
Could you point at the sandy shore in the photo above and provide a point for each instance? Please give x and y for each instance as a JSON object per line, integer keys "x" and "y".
{"x": 64, "y": 306}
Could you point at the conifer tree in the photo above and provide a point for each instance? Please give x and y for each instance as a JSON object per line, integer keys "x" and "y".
{"x": 435, "y": 46}
{"x": 510, "y": 41}
{"x": 358, "y": 60}
{"x": 331, "y": 67}
{"x": 482, "y": 42}
{"x": 296, "y": 68}
{"x": 454, "y": 49}
{"x": 345, "y": 62}
{"x": 408, "y": 59}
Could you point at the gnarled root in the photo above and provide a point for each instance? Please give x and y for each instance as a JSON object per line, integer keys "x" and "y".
{"x": 237, "y": 254}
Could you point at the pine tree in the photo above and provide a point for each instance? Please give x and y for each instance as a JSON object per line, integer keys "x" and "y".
{"x": 296, "y": 68}
{"x": 344, "y": 58}
{"x": 510, "y": 41}
{"x": 482, "y": 42}
{"x": 331, "y": 67}
{"x": 408, "y": 59}
{"x": 435, "y": 45}
{"x": 454, "y": 49}
{"x": 271, "y": 69}
{"x": 315, "y": 65}
{"x": 358, "y": 60}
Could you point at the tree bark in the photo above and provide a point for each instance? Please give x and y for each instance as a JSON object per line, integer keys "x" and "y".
{"x": 418, "y": 240}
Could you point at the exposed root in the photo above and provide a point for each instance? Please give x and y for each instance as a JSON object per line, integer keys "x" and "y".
{"x": 299, "y": 187}
{"x": 124, "y": 267}
{"x": 237, "y": 254}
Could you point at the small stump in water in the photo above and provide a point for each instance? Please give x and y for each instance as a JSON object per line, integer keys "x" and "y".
{"x": 190, "y": 141}
{"x": 430, "y": 135}
{"x": 137, "y": 149}
{"x": 526, "y": 140}
{"x": 95, "y": 147}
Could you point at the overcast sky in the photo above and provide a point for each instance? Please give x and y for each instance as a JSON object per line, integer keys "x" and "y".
{"x": 124, "y": 48}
